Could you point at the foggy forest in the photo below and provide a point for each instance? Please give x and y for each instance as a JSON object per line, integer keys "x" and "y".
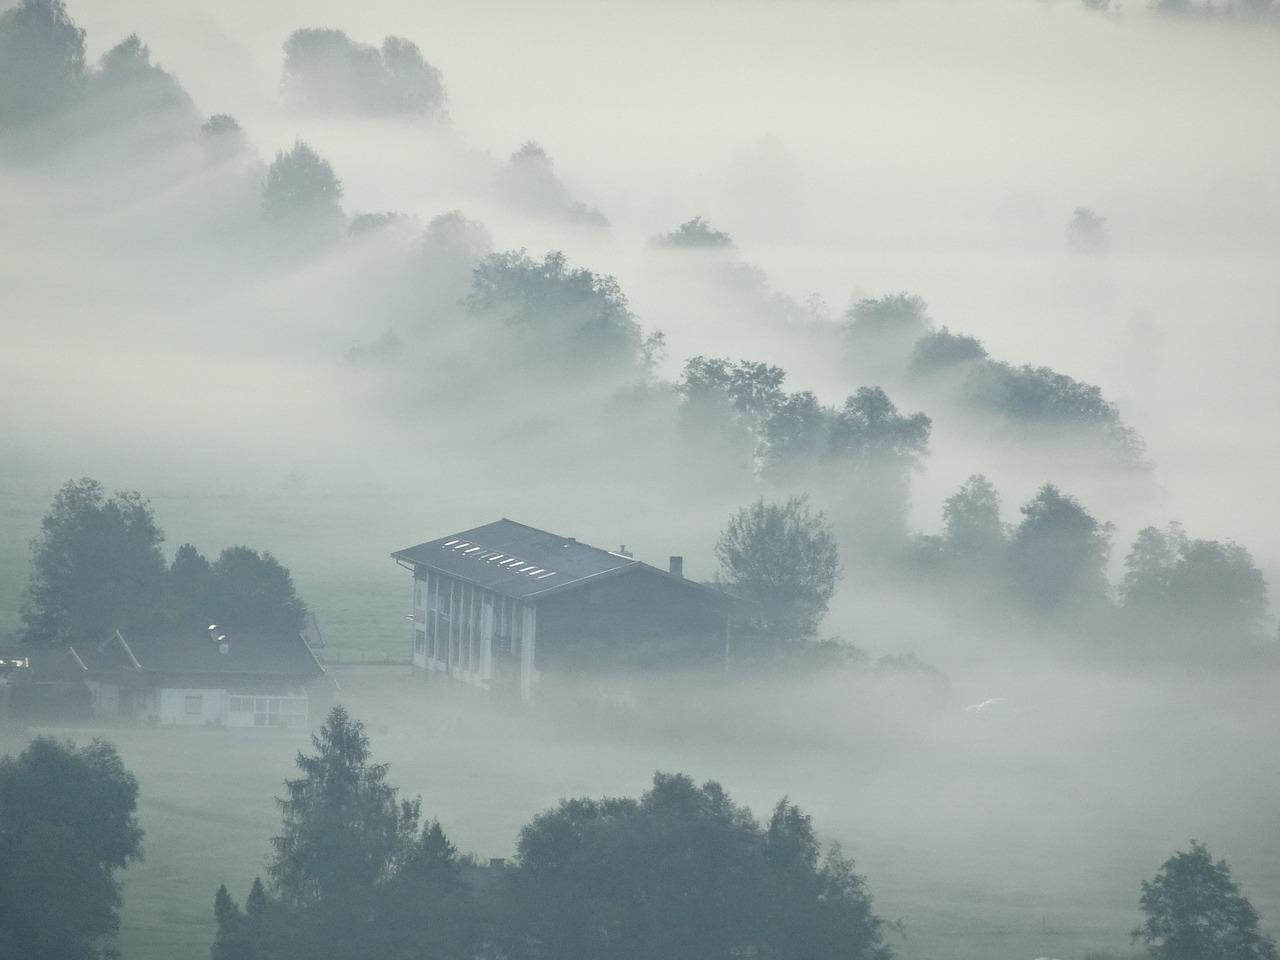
{"x": 983, "y": 294}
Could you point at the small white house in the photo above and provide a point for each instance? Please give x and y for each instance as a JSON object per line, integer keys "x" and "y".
{"x": 259, "y": 681}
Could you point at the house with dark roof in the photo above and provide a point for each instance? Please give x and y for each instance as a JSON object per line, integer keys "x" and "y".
{"x": 200, "y": 680}
{"x": 496, "y": 605}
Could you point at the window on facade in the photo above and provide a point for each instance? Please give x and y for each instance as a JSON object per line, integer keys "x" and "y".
{"x": 270, "y": 711}
{"x": 193, "y": 705}
{"x": 419, "y": 642}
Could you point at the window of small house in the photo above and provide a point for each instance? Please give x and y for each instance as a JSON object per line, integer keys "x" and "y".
{"x": 193, "y": 705}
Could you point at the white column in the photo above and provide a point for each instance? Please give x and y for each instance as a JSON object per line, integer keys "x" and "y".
{"x": 486, "y": 639}
{"x": 528, "y": 674}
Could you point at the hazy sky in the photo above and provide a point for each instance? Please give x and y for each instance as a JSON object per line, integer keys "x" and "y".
{"x": 852, "y": 149}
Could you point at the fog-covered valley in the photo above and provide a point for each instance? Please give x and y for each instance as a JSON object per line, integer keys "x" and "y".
{"x": 1051, "y": 228}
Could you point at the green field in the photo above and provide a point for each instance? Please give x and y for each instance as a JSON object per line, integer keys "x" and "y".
{"x": 988, "y": 843}
{"x": 1005, "y": 841}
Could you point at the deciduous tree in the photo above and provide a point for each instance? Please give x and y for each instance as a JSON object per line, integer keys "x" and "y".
{"x": 683, "y": 873}
{"x": 568, "y": 315}
{"x": 67, "y": 825}
{"x": 1201, "y": 591}
{"x": 326, "y": 70}
{"x": 782, "y": 557}
{"x": 95, "y": 567}
{"x": 42, "y": 70}
{"x": 1058, "y": 556}
{"x": 301, "y": 190}
{"x": 973, "y": 535}
{"x": 1195, "y": 911}
{"x": 870, "y": 430}
{"x": 1087, "y": 232}
{"x": 251, "y": 592}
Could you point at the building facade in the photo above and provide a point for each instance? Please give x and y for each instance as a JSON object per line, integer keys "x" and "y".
{"x": 494, "y": 605}
{"x": 200, "y": 681}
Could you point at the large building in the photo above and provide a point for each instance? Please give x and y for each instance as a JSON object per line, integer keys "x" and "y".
{"x": 496, "y": 605}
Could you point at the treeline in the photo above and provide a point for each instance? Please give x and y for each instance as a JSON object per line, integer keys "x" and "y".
{"x": 562, "y": 346}
{"x": 1178, "y": 598}
{"x": 680, "y": 872}
{"x": 97, "y": 566}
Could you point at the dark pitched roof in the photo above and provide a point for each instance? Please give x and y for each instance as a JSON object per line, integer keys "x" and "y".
{"x": 515, "y": 560}
{"x": 526, "y": 563}
{"x": 276, "y": 657}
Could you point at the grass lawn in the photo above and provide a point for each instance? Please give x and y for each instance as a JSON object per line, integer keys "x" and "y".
{"x": 986, "y": 847}
{"x": 1005, "y": 841}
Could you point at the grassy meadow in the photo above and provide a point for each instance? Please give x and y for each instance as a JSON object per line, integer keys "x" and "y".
{"x": 1009, "y": 840}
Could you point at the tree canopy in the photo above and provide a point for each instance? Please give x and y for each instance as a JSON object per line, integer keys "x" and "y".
{"x": 869, "y": 429}
{"x": 973, "y": 534}
{"x": 781, "y": 556}
{"x": 883, "y": 331}
{"x": 1058, "y": 555}
{"x": 568, "y": 314}
{"x": 127, "y": 86}
{"x": 744, "y": 406}
{"x": 67, "y": 824}
{"x": 683, "y": 873}
{"x": 1194, "y": 911}
{"x": 344, "y": 830}
{"x": 95, "y": 567}
{"x": 1087, "y": 232}
{"x": 350, "y": 874}
{"x": 42, "y": 67}
{"x": 325, "y": 70}
{"x": 528, "y": 182}
{"x": 243, "y": 591}
{"x": 942, "y": 350}
{"x": 1201, "y": 591}
{"x": 301, "y": 189}
{"x": 696, "y": 234}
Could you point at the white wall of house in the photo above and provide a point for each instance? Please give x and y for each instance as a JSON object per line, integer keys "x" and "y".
{"x": 106, "y": 699}
{"x": 197, "y": 707}
{"x": 290, "y": 712}
{"x": 191, "y": 707}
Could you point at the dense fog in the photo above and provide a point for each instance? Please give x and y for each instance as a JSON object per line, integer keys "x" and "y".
{"x": 1049, "y": 227}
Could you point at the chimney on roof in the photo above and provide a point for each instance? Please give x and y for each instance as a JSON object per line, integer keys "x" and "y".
{"x": 623, "y": 550}
{"x": 676, "y": 566}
